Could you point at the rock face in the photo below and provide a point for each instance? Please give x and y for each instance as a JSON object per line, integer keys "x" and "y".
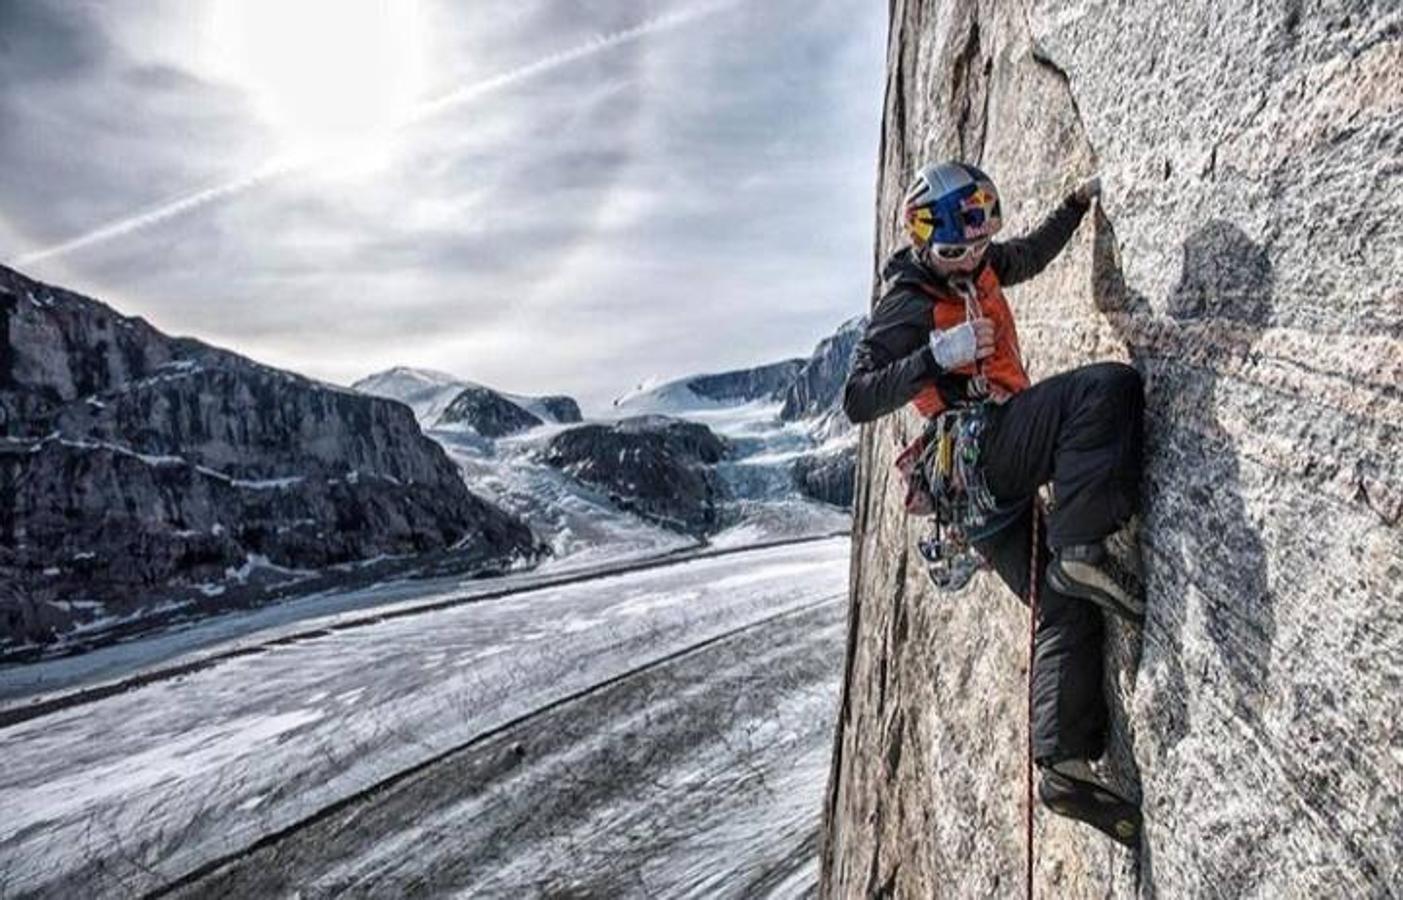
{"x": 816, "y": 394}
{"x": 488, "y": 412}
{"x": 657, "y": 467}
{"x": 561, "y": 408}
{"x": 1246, "y": 258}
{"x": 827, "y": 476}
{"x": 137, "y": 468}
{"x": 759, "y": 383}
{"x": 818, "y": 385}
{"x": 767, "y": 382}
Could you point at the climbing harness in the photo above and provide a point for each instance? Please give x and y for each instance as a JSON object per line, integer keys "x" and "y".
{"x": 945, "y": 480}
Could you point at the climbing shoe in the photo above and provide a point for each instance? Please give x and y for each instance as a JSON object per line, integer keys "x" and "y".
{"x": 1069, "y": 788}
{"x": 1107, "y": 573}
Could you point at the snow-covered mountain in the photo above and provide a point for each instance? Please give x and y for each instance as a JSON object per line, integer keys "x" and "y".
{"x": 432, "y": 394}
{"x": 499, "y": 442}
{"x": 151, "y": 477}
{"x": 715, "y": 390}
{"x": 730, "y": 457}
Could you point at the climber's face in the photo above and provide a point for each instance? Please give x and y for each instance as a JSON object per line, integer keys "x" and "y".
{"x": 955, "y": 259}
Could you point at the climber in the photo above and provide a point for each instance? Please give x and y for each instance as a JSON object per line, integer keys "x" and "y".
{"x": 942, "y": 336}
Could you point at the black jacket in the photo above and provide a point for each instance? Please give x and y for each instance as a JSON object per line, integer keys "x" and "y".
{"x": 893, "y": 360}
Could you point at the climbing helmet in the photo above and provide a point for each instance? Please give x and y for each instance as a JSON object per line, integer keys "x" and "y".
{"x": 951, "y": 210}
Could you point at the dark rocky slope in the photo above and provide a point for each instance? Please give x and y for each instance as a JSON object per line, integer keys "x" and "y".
{"x": 655, "y": 466}
{"x": 561, "y": 408}
{"x": 828, "y": 475}
{"x": 489, "y": 413}
{"x": 1246, "y": 260}
{"x": 137, "y": 468}
{"x": 762, "y": 382}
{"x": 817, "y": 386}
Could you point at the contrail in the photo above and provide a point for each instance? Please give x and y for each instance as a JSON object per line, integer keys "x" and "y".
{"x": 556, "y": 60}
{"x": 160, "y": 213}
{"x": 281, "y": 166}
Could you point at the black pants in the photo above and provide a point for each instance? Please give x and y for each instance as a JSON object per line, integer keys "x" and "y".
{"x": 1081, "y": 430}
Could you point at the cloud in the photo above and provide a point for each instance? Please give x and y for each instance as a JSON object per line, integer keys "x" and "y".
{"x": 42, "y": 42}
{"x": 158, "y": 77}
{"x": 679, "y": 200}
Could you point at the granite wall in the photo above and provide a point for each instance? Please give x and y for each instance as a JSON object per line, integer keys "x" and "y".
{"x": 1246, "y": 256}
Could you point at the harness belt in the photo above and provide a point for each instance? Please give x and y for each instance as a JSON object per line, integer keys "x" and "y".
{"x": 945, "y": 480}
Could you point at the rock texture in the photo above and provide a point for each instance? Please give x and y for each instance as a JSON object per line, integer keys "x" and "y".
{"x": 488, "y": 413}
{"x": 655, "y": 466}
{"x": 138, "y": 469}
{"x": 561, "y": 408}
{"x": 828, "y": 475}
{"x": 760, "y": 383}
{"x": 1246, "y": 258}
{"x": 818, "y": 385}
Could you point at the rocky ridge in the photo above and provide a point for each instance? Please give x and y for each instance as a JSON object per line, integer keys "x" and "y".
{"x": 759, "y": 383}
{"x": 817, "y": 387}
{"x": 141, "y": 471}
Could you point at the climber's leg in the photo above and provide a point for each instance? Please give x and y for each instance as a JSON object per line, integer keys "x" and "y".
{"x": 1069, "y": 708}
{"x": 1106, "y": 572}
{"x": 1070, "y": 788}
{"x": 1082, "y": 431}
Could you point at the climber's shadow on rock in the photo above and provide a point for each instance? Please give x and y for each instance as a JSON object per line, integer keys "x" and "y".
{"x": 1216, "y": 314}
{"x": 1201, "y": 546}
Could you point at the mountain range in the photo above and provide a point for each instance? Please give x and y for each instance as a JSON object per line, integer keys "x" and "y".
{"x": 148, "y": 477}
{"x": 151, "y": 479}
{"x": 711, "y": 457}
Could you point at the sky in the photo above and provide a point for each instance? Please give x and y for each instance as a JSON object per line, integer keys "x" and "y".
{"x": 539, "y": 195}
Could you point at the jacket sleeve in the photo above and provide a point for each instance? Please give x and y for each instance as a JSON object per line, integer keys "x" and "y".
{"x": 892, "y": 360}
{"x": 1020, "y": 259}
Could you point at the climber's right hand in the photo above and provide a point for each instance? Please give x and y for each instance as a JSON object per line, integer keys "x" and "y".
{"x": 1087, "y": 190}
{"x": 963, "y": 344}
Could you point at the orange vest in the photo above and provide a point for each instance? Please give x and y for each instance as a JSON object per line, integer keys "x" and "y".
{"x": 1004, "y": 369}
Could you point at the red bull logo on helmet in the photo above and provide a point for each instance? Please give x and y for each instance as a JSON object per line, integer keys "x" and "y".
{"x": 951, "y": 204}
{"x": 979, "y": 213}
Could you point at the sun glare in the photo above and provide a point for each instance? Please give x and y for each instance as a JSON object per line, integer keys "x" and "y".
{"x": 331, "y": 77}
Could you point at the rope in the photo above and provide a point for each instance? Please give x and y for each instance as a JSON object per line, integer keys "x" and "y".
{"x": 965, "y": 287}
{"x": 1033, "y": 578}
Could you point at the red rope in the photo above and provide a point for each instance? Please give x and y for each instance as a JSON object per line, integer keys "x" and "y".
{"x": 1032, "y": 635}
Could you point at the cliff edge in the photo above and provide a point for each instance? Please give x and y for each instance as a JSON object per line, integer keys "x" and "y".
{"x": 1246, "y": 257}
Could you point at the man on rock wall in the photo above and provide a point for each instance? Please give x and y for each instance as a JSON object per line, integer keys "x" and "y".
{"x": 942, "y": 337}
